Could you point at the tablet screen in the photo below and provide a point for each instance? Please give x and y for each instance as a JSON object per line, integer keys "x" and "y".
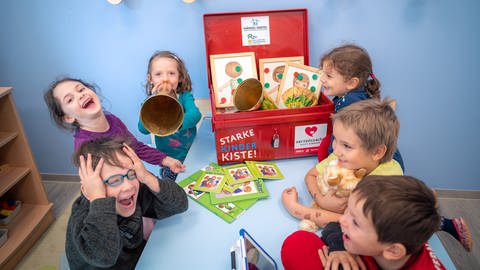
{"x": 257, "y": 258}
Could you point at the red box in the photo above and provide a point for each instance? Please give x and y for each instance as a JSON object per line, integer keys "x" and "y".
{"x": 253, "y": 135}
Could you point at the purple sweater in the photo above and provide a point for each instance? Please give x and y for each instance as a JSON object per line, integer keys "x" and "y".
{"x": 118, "y": 129}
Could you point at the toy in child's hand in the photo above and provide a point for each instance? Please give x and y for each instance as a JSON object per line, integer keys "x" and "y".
{"x": 340, "y": 179}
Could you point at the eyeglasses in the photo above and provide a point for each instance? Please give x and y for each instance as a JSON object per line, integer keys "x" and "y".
{"x": 117, "y": 179}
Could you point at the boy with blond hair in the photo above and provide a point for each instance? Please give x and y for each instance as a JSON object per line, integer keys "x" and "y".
{"x": 365, "y": 135}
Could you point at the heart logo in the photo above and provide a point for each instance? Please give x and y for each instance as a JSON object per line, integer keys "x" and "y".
{"x": 310, "y": 130}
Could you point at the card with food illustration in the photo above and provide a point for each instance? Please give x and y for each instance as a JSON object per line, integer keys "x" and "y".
{"x": 265, "y": 169}
{"x": 210, "y": 182}
{"x": 238, "y": 173}
{"x": 247, "y": 190}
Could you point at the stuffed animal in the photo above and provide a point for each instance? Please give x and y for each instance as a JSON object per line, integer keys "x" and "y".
{"x": 340, "y": 179}
{"x": 337, "y": 178}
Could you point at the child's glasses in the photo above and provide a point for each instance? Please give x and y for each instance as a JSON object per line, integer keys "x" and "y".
{"x": 117, "y": 179}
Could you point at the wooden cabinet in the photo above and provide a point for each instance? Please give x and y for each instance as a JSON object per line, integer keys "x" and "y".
{"x": 20, "y": 180}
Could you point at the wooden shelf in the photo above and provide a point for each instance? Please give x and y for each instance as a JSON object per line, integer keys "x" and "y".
{"x": 10, "y": 176}
{"x": 6, "y": 137}
{"x": 21, "y": 226}
{"x": 20, "y": 180}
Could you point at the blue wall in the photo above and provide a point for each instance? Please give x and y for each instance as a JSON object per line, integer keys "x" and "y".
{"x": 426, "y": 53}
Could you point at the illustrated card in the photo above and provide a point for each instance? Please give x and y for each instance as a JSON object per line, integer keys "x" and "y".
{"x": 300, "y": 86}
{"x": 238, "y": 173}
{"x": 226, "y": 211}
{"x": 271, "y": 72}
{"x": 228, "y": 71}
{"x": 265, "y": 169}
{"x": 210, "y": 182}
{"x": 247, "y": 190}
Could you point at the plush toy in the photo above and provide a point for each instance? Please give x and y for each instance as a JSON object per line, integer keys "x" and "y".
{"x": 340, "y": 179}
{"x": 337, "y": 178}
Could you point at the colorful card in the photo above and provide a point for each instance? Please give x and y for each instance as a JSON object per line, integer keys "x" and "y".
{"x": 238, "y": 173}
{"x": 231, "y": 188}
{"x": 247, "y": 190}
{"x": 226, "y": 211}
{"x": 264, "y": 169}
{"x": 210, "y": 181}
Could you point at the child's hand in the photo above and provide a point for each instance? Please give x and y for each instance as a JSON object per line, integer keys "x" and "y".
{"x": 143, "y": 175}
{"x": 332, "y": 202}
{"x": 173, "y": 164}
{"x": 335, "y": 259}
{"x": 138, "y": 166}
{"x": 290, "y": 196}
{"x": 91, "y": 183}
{"x": 162, "y": 88}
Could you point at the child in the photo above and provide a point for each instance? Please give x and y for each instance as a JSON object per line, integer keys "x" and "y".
{"x": 74, "y": 105}
{"x": 348, "y": 77}
{"x": 366, "y": 135}
{"x": 388, "y": 222}
{"x": 167, "y": 72}
{"x": 105, "y": 227}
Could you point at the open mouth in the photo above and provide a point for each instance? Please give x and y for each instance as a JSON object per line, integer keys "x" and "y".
{"x": 127, "y": 202}
{"x": 345, "y": 237}
{"x": 87, "y": 103}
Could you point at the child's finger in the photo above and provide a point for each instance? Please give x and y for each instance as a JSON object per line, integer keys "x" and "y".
{"x": 89, "y": 164}
{"x": 99, "y": 167}
{"x": 322, "y": 256}
{"x": 81, "y": 168}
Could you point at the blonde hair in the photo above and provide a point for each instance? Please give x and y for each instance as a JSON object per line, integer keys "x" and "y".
{"x": 374, "y": 121}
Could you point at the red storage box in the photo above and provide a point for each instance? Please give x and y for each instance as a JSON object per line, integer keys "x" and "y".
{"x": 265, "y": 134}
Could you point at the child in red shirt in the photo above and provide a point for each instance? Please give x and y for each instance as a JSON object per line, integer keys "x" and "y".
{"x": 386, "y": 225}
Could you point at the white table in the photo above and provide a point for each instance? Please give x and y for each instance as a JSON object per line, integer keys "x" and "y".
{"x": 198, "y": 239}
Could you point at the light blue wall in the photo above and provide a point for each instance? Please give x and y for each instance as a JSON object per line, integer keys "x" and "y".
{"x": 425, "y": 52}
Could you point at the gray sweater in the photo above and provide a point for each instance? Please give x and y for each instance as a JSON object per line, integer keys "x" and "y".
{"x": 97, "y": 238}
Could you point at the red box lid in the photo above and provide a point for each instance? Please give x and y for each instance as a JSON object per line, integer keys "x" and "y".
{"x": 288, "y": 31}
{"x": 288, "y": 35}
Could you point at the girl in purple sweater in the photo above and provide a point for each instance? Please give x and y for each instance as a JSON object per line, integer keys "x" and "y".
{"x": 74, "y": 105}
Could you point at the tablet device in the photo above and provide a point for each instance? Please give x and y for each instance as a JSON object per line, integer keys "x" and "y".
{"x": 247, "y": 254}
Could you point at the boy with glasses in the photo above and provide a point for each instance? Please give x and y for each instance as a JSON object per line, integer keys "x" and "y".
{"x": 105, "y": 229}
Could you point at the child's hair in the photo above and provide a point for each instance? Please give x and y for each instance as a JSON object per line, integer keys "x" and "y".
{"x": 352, "y": 61}
{"x": 184, "y": 82}
{"x": 54, "y": 106}
{"x": 402, "y": 208}
{"x": 104, "y": 147}
{"x": 374, "y": 121}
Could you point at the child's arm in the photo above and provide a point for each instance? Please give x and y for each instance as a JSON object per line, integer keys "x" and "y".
{"x": 328, "y": 201}
{"x": 166, "y": 197}
{"x": 191, "y": 114}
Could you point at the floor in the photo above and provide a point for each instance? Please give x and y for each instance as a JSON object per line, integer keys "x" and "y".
{"x": 45, "y": 255}
{"x": 465, "y": 204}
